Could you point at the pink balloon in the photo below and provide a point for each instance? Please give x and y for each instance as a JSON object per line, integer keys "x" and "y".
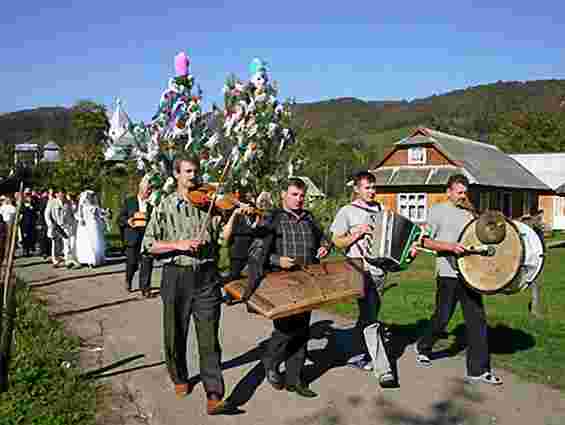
{"x": 181, "y": 64}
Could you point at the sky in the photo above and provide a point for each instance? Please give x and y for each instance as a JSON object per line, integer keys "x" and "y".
{"x": 55, "y": 53}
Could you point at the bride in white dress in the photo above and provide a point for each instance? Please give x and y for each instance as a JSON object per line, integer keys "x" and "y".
{"x": 90, "y": 243}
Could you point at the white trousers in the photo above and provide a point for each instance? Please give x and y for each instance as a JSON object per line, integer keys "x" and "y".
{"x": 69, "y": 248}
{"x": 376, "y": 348}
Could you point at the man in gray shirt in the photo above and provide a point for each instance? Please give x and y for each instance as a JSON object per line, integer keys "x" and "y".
{"x": 349, "y": 232}
{"x": 446, "y": 222}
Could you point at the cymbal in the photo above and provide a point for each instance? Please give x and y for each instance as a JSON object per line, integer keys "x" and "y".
{"x": 491, "y": 227}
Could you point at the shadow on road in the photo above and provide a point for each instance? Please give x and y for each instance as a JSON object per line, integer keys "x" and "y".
{"x": 59, "y": 279}
{"x": 131, "y": 369}
{"x": 96, "y": 307}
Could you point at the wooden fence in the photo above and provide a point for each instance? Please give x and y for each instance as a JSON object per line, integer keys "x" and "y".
{"x": 8, "y": 289}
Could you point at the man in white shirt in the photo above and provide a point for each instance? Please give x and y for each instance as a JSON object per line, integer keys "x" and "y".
{"x": 349, "y": 230}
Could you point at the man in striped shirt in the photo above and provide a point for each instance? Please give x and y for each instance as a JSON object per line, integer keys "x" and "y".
{"x": 190, "y": 284}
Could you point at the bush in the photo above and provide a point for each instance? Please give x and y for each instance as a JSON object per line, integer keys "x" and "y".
{"x": 45, "y": 388}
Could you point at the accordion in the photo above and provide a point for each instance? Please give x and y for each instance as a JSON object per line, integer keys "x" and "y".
{"x": 389, "y": 245}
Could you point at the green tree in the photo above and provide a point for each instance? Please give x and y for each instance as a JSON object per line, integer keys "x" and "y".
{"x": 89, "y": 121}
{"x": 81, "y": 168}
{"x": 524, "y": 132}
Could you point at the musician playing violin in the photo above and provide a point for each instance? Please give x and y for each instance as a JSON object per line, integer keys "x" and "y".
{"x": 349, "y": 231}
{"x": 188, "y": 236}
{"x": 243, "y": 226}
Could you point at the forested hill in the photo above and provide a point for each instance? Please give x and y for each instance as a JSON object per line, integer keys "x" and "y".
{"x": 36, "y": 125}
{"x": 471, "y": 112}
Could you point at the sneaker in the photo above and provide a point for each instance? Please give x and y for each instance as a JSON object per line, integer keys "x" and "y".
{"x": 422, "y": 359}
{"x": 487, "y": 378}
{"x": 388, "y": 380}
{"x": 360, "y": 362}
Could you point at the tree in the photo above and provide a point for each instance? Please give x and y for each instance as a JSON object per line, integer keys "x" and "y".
{"x": 531, "y": 132}
{"x": 81, "y": 168}
{"x": 89, "y": 121}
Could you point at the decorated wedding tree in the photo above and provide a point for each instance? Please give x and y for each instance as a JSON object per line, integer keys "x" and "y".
{"x": 245, "y": 148}
{"x": 258, "y": 128}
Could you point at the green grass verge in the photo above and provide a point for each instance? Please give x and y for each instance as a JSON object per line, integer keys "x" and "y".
{"x": 532, "y": 348}
{"x": 43, "y": 390}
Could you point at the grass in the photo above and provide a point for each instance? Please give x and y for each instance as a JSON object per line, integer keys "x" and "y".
{"x": 45, "y": 388}
{"x": 532, "y": 348}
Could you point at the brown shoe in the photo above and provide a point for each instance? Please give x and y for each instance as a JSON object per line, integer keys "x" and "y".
{"x": 216, "y": 407}
{"x": 182, "y": 390}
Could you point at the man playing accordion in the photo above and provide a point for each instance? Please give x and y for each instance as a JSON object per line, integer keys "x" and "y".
{"x": 349, "y": 230}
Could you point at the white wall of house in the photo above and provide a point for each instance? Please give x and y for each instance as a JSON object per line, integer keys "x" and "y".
{"x": 550, "y": 169}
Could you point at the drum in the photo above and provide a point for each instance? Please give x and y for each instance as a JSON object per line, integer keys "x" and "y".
{"x": 389, "y": 246}
{"x": 507, "y": 267}
{"x": 282, "y": 294}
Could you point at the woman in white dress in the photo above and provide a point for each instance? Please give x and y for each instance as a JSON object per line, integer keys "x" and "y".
{"x": 90, "y": 243}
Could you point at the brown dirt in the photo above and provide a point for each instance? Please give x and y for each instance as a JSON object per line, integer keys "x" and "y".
{"x": 115, "y": 325}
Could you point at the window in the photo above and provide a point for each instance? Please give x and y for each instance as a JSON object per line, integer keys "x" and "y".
{"x": 484, "y": 201}
{"x": 417, "y": 155}
{"x": 413, "y": 206}
{"x": 507, "y": 204}
{"x": 527, "y": 203}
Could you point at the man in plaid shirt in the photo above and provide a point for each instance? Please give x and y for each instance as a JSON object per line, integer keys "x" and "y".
{"x": 294, "y": 239}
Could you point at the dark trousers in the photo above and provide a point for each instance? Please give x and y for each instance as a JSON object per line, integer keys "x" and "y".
{"x": 449, "y": 292}
{"x": 288, "y": 344}
{"x": 28, "y": 239}
{"x": 186, "y": 292}
{"x": 236, "y": 267}
{"x": 369, "y": 307}
{"x": 133, "y": 259}
{"x": 44, "y": 242}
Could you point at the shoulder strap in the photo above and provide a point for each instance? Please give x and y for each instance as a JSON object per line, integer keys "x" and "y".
{"x": 367, "y": 209}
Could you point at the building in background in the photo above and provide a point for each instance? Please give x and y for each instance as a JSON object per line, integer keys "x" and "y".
{"x": 412, "y": 176}
{"x": 549, "y": 168}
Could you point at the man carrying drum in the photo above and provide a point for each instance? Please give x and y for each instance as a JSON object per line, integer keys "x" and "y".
{"x": 349, "y": 229}
{"x": 446, "y": 222}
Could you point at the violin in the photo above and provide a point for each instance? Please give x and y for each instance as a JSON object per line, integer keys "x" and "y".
{"x": 202, "y": 196}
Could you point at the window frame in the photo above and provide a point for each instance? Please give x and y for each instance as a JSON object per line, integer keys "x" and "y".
{"x": 419, "y": 199}
{"x": 421, "y": 160}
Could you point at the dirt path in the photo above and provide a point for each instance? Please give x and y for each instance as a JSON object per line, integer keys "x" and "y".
{"x": 115, "y": 325}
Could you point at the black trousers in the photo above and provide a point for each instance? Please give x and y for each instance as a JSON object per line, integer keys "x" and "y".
{"x": 236, "y": 267}
{"x": 288, "y": 344}
{"x": 44, "y": 242}
{"x": 133, "y": 259}
{"x": 449, "y": 292}
{"x": 369, "y": 307}
{"x": 187, "y": 292}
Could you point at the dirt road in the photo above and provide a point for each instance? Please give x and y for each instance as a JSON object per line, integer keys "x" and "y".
{"x": 115, "y": 325}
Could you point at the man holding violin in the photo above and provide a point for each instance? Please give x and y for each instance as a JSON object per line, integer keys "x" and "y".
{"x": 188, "y": 237}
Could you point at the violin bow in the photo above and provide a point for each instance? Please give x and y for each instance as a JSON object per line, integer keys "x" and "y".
{"x": 209, "y": 212}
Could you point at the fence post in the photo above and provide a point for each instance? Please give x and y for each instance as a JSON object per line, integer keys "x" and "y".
{"x": 9, "y": 300}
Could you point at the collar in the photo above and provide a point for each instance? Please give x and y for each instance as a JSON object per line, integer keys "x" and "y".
{"x": 363, "y": 204}
{"x": 297, "y": 216}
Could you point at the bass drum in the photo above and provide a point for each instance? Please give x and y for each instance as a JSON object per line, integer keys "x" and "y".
{"x": 534, "y": 259}
{"x": 507, "y": 267}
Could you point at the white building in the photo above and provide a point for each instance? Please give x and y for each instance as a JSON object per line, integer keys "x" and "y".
{"x": 549, "y": 168}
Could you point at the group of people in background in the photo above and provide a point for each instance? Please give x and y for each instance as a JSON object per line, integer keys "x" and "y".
{"x": 65, "y": 228}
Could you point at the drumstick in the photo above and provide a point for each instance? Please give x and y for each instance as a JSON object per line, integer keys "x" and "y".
{"x": 486, "y": 250}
